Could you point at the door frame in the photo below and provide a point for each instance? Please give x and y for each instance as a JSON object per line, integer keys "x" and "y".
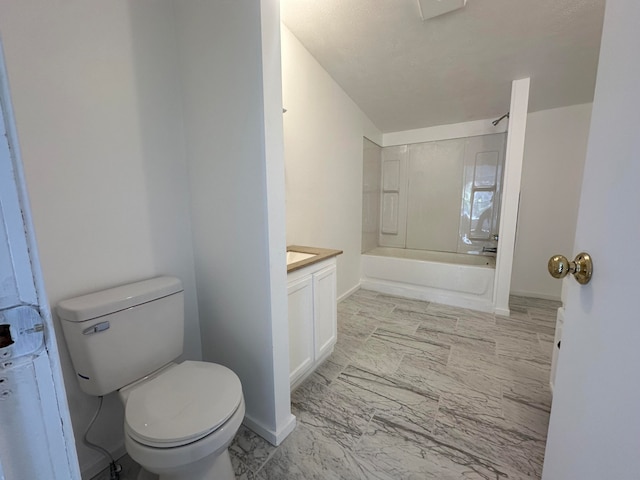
{"x": 62, "y": 454}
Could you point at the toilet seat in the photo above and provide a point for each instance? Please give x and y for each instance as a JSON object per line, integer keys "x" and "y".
{"x": 183, "y": 404}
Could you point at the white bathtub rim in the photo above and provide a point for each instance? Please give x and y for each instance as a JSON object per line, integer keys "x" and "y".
{"x": 434, "y": 256}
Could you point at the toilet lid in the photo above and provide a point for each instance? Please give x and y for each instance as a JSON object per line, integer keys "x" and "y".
{"x": 182, "y": 404}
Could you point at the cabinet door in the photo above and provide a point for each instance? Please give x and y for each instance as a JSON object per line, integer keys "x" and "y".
{"x": 325, "y": 307}
{"x": 300, "y": 327}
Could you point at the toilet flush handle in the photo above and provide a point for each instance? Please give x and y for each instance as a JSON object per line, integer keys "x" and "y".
{"x": 98, "y": 327}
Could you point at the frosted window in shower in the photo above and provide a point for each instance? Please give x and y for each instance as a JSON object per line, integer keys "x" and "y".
{"x": 486, "y": 169}
{"x": 479, "y": 212}
{"x": 482, "y": 192}
{"x": 481, "y": 215}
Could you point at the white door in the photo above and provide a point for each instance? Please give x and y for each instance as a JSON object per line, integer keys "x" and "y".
{"x": 595, "y": 419}
{"x": 36, "y": 441}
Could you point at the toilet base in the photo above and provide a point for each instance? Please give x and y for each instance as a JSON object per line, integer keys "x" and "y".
{"x": 205, "y": 469}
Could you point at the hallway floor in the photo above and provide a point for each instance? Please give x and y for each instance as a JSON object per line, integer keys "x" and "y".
{"x": 417, "y": 390}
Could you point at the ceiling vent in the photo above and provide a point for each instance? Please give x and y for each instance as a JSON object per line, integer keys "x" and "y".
{"x": 435, "y": 8}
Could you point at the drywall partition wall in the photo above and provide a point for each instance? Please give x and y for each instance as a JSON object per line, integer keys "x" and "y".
{"x": 371, "y": 189}
{"x": 511, "y": 193}
{"x": 284, "y": 421}
{"x": 229, "y": 66}
{"x": 554, "y": 155}
{"x": 97, "y": 106}
{"x": 323, "y": 130}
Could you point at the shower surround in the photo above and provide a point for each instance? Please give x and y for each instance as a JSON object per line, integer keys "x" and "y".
{"x": 438, "y": 220}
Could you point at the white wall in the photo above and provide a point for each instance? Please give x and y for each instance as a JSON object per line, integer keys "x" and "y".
{"x": 323, "y": 130}
{"x": 371, "y": 177}
{"x": 283, "y": 420}
{"x": 555, "y": 149}
{"x": 97, "y": 104}
{"x": 230, "y": 71}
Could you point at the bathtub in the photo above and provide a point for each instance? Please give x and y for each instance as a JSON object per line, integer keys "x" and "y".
{"x": 450, "y": 278}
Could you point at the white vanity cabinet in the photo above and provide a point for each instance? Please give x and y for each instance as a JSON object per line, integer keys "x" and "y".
{"x": 312, "y": 317}
{"x": 301, "y": 347}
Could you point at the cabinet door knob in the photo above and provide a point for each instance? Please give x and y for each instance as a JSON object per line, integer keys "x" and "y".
{"x": 581, "y": 268}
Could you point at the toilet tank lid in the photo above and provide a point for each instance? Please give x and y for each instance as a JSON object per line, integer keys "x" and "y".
{"x": 113, "y": 300}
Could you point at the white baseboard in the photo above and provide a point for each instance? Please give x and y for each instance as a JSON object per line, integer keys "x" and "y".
{"x": 273, "y": 437}
{"x": 349, "y": 293}
{"x": 536, "y": 295}
{"x": 503, "y": 312}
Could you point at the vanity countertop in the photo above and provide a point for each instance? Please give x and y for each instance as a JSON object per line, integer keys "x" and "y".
{"x": 319, "y": 254}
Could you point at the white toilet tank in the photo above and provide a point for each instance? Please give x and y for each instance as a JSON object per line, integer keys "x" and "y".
{"x": 122, "y": 334}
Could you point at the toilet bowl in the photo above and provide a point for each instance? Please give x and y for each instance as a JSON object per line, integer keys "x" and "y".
{"x": 179, "y": 417}
{"x": 180, "y": 421}
{"x": 206, "y": 459}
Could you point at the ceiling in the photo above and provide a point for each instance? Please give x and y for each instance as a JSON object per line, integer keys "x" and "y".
{"x": 406, "y": 73}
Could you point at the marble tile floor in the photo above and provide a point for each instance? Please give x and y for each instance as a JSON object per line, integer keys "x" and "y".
{"x": 417, "y": 390}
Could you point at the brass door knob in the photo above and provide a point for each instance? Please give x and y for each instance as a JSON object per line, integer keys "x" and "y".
{"x": 582, "y": 267}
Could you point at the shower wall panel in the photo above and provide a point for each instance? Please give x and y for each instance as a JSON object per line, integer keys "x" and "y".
{"x": 371, "y": 194}
{"x": 434, "y": 192}
{"x": 393, "y": 215}
{"x": 442, "y": 195}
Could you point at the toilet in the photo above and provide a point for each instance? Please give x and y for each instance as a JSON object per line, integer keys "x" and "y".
{"x": 179, "y": 417}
